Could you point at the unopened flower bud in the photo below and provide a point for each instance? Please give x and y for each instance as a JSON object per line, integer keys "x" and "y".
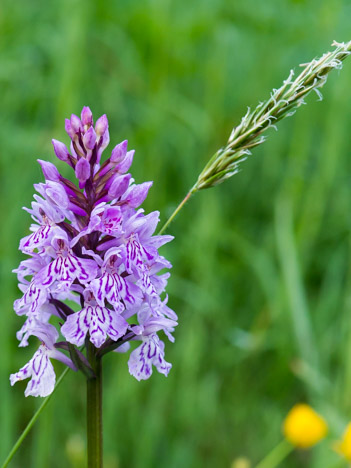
{"x": 82, "y": 170}
{"x": 61, "y": 150}
{"x": 69, "y": 130}
{"x": 101, "y": 125}
{"x": 49, "y": 170}
{"x": 89, "y": 138}
{"x": 76, "y": 123}
{"x": 119, "y": 152}
{"x": 124, "y": 165}
{"x": 87, "y": 116}
{"x": 119, "y": 185}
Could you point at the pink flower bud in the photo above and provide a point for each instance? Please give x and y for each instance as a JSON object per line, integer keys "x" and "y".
{"x": 49, "y": 170}
{"x": 101, "y": 125}
{"x": 104, "y": 140}
{"x": 69, "y": 129}
{"x": 82, "y": 170}
{"x": 89, "y": 138}
{"x": 61, "y": 150}
{"x": 119, "y": 186}
{"x": 119, "y": 152}
{"x": 76, "y": 123}
{"x": 87, "y": 116}
{"x": 124, "y": 165}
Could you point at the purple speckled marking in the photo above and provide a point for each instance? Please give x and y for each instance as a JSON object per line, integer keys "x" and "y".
{"x": 99, "y": 321}
{"x": 37, "y": 239}
{"x": 33, "y": 298}
{"x": 64, "y": 270}
{"x": 135, "y": 254}
{"x": 149, "y": 353}
{"x": 42, "y": 372}
{"x": 114, "y": 288}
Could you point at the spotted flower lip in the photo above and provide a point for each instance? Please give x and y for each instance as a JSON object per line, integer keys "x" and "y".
{"x": 40, "y": 369}
{"x": 99, "y": 321}
{"x": 149, "y": 353}
{"x": 92, "y": 244}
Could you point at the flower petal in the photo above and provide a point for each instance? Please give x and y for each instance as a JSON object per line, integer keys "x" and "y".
{"x": 42, "y": 372}
{"x": 76, "y": 327}
{"x": 149, "y": 353}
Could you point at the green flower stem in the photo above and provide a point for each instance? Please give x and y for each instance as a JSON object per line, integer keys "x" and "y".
{"x": 94, "y": 410}
{"x": 176, "y": 211}
{"x": 277, "y": 455}
{"x": 32, "y": 421}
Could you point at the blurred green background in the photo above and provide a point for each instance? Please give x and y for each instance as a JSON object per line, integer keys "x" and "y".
{"x": 261, "y": 279}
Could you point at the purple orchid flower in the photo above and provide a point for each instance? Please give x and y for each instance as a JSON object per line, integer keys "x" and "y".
{"x": 92, "y": 244}
{"x": 151, "y": 352}
{"x": 100, "y": 322}
{"x": 39, "y": 368}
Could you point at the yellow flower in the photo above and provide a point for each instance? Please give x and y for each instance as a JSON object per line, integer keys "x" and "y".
{"x": 344, "y": 446}
{"x": 303, "y": 427}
